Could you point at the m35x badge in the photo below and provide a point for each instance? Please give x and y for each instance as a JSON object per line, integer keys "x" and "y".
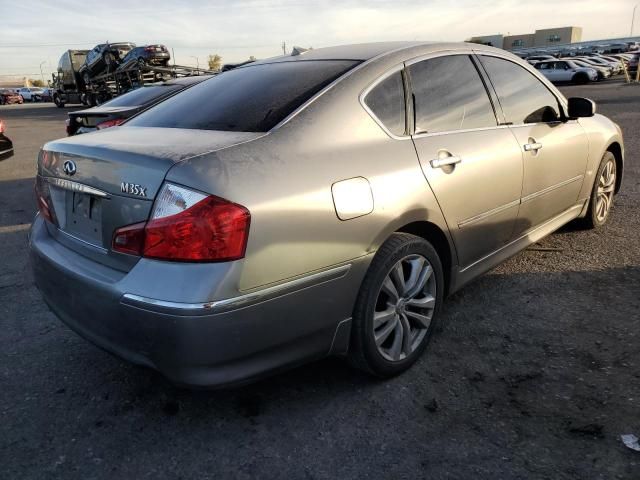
{"x": 133, "y": 189}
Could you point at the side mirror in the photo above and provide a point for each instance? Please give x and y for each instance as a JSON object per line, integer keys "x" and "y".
{"x": 581, "y": 107}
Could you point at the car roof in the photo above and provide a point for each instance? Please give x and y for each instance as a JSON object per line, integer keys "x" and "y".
{"x": 367, "y": 51}
{"x": 188, "y": 80}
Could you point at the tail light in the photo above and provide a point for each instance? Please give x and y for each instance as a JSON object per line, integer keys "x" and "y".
{"x": 190, "y": 226}
{"x": 110, "y": 123}
{"x": 1, "y": 126}
{"x": 43, "y": 197}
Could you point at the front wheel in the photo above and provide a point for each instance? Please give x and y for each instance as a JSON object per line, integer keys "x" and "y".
{"x": 397, "y": 306}
{"x": 602, "y": 194}
{"x": 58, "y": 101}
{"x": 580, "y": 79}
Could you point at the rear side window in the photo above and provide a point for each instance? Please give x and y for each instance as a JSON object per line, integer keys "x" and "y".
{"x": 449, "y": 95}
{"x": 524, "y": 98}
{"x": 248, "y": 99}
{"x": 387, "y": 103}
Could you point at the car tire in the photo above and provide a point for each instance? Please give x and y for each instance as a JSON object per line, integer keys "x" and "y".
{"x": 378, "y": 343}
{"x": 141, "y": 63}
{"x": 56, "y": 99}
{"x": 602, "y": 193}
{"x": 580, "y": 78}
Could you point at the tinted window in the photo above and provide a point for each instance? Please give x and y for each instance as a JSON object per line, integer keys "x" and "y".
{"x": 143, "y": 95}
{"x": 523, "y": 97}
{"x": 449, "y": 95}
{"x": 248, "y": 99}
{"x": 386, "y": 101}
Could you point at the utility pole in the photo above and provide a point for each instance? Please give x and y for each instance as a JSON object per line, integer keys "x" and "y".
{"x": 197, "y": 61}
{"x": 633, "y": 17}
{"x": 42, "y": 74}
{"x": 284, "y": 48}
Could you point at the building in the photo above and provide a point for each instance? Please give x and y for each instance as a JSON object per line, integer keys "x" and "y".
{"x": 541, "y": 38}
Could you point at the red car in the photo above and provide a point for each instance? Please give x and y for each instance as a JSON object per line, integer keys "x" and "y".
{"x": 10, "y": 96}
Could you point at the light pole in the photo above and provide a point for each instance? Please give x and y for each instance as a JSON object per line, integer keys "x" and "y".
{"x": 42, "y": 74}
{"x": 633, "y": 17}
{"x": 197, "y": 62}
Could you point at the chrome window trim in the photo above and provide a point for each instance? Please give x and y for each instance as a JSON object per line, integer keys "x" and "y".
{"x": 76, "y": 186}
{"x": 240, "y": 301}
{"x": 363, "y": 96}
{"x": 355, "y": 69}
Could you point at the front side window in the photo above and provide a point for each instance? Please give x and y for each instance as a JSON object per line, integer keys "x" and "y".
{"x": 524, "y": 98}
{"x": 248, "y": 99}
{"x": 449, "y": 95}
{"x": 387, "y": 103}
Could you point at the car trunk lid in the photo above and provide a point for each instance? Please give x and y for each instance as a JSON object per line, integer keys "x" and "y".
{"x": 98, "y": 182}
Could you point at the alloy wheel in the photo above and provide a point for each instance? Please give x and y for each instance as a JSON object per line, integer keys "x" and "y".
{"x": 604, "y": 194}
{"x": 404, "y": 307}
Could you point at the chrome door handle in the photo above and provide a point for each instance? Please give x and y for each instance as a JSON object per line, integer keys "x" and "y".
{"x": 443, "y": 162}
{"x": 532, "y": 147}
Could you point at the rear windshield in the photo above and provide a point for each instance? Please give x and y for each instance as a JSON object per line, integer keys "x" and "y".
{"x": 142, "y": 95}
{"x": 248, "y": 99}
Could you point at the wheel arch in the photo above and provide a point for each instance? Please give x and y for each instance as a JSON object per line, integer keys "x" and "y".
{"x": 434, "y": 235}
{"x": 616, "y": 149}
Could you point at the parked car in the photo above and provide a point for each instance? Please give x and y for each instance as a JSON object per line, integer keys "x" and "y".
{"x": 616, "y": 67}
{"x": 147, "y": 55}
{"x": 104, "y": 58}
{"x": 603, "y": 72}
{"x": 566, "y": 71}
{"x": 589, "y": 61}
{"x": 8, "y": 96}
{"x": 295, "y": 207}
{"x": 116, "y": 111}
{"x": 31, "y": 94}
{"x": 47, "y": 95}
{"x": 6, "y": 146}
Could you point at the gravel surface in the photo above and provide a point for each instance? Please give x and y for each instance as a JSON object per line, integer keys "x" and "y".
{"x": 534, "y": 372}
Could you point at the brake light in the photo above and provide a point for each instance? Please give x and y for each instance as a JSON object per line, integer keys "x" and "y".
{"x": 43, "y": 197}
{"x": 110, "y": 123}
{"x": 186, "y": 225}
{"x": 1, "y": 126}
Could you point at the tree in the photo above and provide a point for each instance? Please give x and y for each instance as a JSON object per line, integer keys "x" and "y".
{"x": 36, "y": 83}
{"x": 215, "y": 62}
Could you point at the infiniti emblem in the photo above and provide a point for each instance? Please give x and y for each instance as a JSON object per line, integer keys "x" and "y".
{"x": 69, "y": 167}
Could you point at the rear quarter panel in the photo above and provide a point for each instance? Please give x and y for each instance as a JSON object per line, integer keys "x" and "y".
{"x": 285, "y": 179}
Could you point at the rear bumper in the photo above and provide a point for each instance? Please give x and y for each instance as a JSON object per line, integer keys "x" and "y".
{"x": 211, "y": 344}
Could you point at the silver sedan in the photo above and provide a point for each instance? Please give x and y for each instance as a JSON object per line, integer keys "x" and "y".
{"x": 323, "y": 203}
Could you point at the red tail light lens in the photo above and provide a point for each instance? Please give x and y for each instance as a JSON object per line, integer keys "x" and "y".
{"x": 110, "y": 123}
{"x": 1, "y": 126}
{"x": 188, "y": 226}
{"x": 43, "y": 198}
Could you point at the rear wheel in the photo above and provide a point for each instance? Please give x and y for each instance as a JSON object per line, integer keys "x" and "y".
{"x": 397, "y": 306}
{"x": 58, "y": 101}
{"x": 603, "y": 192}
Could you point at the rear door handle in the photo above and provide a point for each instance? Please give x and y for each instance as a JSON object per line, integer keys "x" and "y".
{"x": 532, "y": 147}
{"x": 443, "y": 162}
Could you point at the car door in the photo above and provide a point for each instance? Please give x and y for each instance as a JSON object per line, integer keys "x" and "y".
{"x": 563, "y": 71}
{"x": 473, "y": 166}
{"x": 554, "y": 150}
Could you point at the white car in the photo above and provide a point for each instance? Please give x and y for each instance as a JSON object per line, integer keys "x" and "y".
{"x": 31, "y": 94}
{"x": 566, "y": 71}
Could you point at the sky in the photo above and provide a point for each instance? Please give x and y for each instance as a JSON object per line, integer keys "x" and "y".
{"x": 34, "y": 34}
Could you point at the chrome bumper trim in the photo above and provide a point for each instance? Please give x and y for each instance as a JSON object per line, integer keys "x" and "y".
{"x": 234, "y": 303}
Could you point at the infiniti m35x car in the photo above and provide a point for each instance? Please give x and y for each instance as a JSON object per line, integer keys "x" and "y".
{"x": 318, "y": 204}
